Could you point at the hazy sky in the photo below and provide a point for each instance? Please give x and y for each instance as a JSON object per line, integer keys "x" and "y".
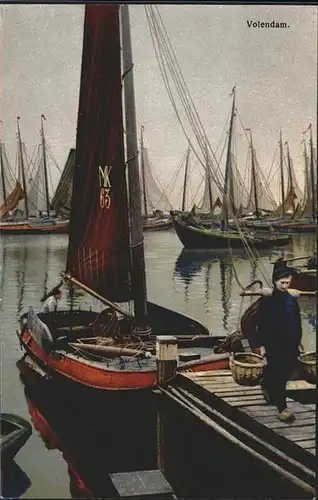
{"x": 275, "y": 71}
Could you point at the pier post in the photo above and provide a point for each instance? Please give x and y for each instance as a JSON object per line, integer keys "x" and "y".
{"x": 167, "y": 355}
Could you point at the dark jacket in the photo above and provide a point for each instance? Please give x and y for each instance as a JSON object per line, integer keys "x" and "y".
{"x": 279, "y": 324}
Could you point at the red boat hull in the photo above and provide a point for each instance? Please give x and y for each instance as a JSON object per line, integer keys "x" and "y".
{"x": 25, "y": 228}
{"x": 86, "y": 374}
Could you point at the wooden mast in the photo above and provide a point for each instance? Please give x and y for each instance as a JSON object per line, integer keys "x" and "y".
{"x": 2, "y": 175}
{"x": 45, "y": 168}
{"x": 282, "y": 174}
{"x": 142, "y": 157}
{"x": 312, "y": 175}
{"x": 254, "y": 177}
{"x": 23, "y": 172}
{"x": 228, "y": 181}
{"x": 291, "y": 186}
{"x": 307, "y": 183}
{"x": 138, "y": 271}
{"x": 184, "y": 194}
{"x": 208, "y": 175}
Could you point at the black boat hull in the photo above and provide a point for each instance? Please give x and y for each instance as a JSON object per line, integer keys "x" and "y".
{"x": 15, "y": 431}
{"x": 196, "y": 237}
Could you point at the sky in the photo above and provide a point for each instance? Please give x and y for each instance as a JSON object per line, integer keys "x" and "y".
{"x": 274, "y": 69}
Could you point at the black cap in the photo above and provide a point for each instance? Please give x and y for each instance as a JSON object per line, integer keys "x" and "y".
{"x": 282, "y": 272}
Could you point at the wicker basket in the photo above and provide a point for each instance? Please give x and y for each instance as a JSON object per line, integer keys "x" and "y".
{"x": 307, "y": 363}
{"x": 246, "y": 368}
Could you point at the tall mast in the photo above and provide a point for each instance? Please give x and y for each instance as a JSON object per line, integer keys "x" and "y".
{"x": 184, "y": 194}
{"x": 254, "y": 176}
{"x": 208, "y": 175}
{"x": 23, "y": 172}
{"x": 142, "y": 157}
{"x": 291, "y": 186}
{"x": 228, "y": 181}
{"x": 138, "y": 271}
{"x": 45, "y": 167}
{"x": 281, "y": 163}
{"x": 2, "y": 174}
{"x": 312, "y": 175}
{"x": 307, "y": 183}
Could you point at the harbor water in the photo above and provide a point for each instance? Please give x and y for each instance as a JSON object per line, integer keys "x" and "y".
{"x": 76, "y": 440}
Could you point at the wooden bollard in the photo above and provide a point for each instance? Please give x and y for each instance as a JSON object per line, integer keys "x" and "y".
{"x": 167, "y": 357}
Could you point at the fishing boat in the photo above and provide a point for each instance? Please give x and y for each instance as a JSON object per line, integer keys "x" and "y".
{"x": 112, "y": 350}
{"x": 28, "y": 211}
{"x": 195, "y": 236}
{"x": 304, "y": 217}
{"x": 62, "y": 199}
{"x": 11, "y": 191}
{"x": 154, "y": 202}
{"x": 297, "y": 212}
{"x": 15, "y": 431}
{"x": 101, "y": 441}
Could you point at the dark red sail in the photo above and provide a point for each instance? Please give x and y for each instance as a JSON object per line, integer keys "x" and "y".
{"x": 98, "y": 252}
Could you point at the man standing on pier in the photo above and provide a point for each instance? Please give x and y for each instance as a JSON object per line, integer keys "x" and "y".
{"x": 279, "y": 331}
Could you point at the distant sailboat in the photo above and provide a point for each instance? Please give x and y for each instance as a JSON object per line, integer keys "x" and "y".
{"x": 304, "y": 206}
{"x": 33, "y": 213}
{"x": 62, "y": 199}
{"x": 155, "y": 205}
{"x": 11, "y": 191}
{"x": 194, "y": 235}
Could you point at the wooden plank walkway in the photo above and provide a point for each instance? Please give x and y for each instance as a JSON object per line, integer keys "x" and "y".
{"x": 241, "y": 413}
{"x": 251, "y": 401}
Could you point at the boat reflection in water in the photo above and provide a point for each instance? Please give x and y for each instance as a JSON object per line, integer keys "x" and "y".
{"x": 96, "y": 435}
{"x": 212, "y": 278}
{"x": 14, "y": 481}
{"x": 212, "y": 273}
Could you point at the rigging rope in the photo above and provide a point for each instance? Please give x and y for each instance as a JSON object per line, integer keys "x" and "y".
{"x": 168, "y": 63}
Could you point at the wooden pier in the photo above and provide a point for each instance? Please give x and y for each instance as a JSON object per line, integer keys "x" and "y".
{"x": 241, "y": 414}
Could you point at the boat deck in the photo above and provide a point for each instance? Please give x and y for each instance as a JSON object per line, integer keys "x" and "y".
{"x": 242, "y": 415}
{"x": 143, "y": 364}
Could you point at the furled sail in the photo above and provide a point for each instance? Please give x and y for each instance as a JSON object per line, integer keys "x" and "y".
{"x": 7, "y": 180}
{"x": 294, "y": 195}
{"x": 207, "y": 201}
{"x": 155, "y": 196}
{"x": 11, "y": 191}
{"x": 23, "y": 159}
{"x": 36, "y": 192}
{"x": 263, "y": 194}
{"x": 98, "y": 251}
{"x": 62, "y": 198}
{"x": 12, "y": 200}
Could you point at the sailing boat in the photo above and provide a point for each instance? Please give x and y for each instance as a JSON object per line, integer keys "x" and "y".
{"x": 195, "y": 236}
{"x": 112, "y": 350}
{"x": 11, "y": 191}
{"x": 62, "y": 199}
{"x": 35, "y": 202}
{"x": 260, "y": 201}
{"x": 154, "y": 202}
{"x": 304, "y": 215}
{"x": 106, "y": 441}
{"x": 204, "y": 212}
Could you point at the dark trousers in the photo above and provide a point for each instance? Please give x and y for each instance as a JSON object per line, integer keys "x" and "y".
{"x": 275, "y": 376}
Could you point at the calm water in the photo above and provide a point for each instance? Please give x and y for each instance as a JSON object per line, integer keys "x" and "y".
{"x": 112, "y": 436}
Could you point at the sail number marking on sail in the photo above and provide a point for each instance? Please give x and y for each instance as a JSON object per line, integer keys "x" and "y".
{"x": 105, "y": 186}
